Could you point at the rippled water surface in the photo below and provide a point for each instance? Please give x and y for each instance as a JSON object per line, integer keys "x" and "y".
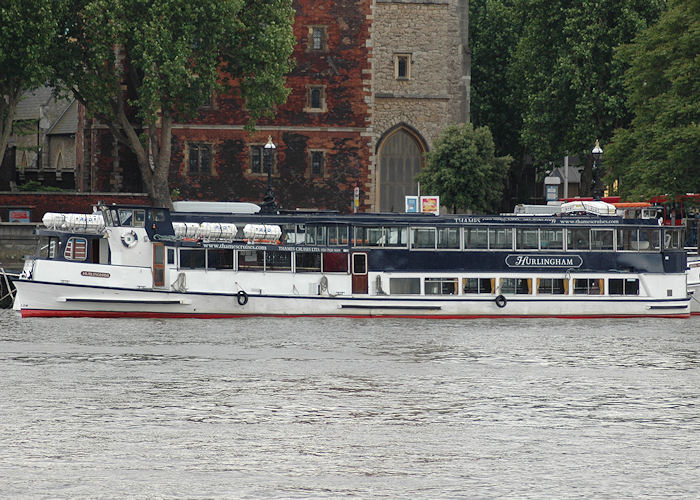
{"x": 349, "y": 408}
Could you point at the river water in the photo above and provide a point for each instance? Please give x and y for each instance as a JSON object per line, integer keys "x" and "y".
{"x": 329, "y": 408}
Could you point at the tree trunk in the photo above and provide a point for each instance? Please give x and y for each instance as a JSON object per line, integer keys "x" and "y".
{"x": 7, "y": 116}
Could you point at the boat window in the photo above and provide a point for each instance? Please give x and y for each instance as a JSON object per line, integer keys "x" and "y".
{"x": 337, "y": 235}
{"x": 501, "y": 238}
{"x": 588, "y": 286}
{"x": 423, "y": 237}
{"x": 76, "y": 249}
{"x": 290, "y": 234}
{"x": 251, "y": 260}
{"x": 335, "y": 263}
{"x": 192, "y": 258}
{"x": 359, "y": 263}
{"x": 404, "y": 286}
{"x": 554, "y": 286}
{"x": 672, "y": 239}
{"x": 551, "y": 239}
{"x": 369, "y": 236}
{"x": 518, "y": 286}
{"x": 649, "y": 239}
{"x": 601, "y": 239}
{"x": 126, "y": 217}
{"x": 623, "y": 286}
{"x": 627, "y": 239}
{"x": 448, "y": 237}
{"x": 139, "y": 218}
{"x": 440, "y": 286}
{"x": 49, "y": 251}
{"x": 396, "y": 237}
{"x": 477, "y": 285}
{"x": 107, "y": 215}
{"x": 476, "y": 238}
{"x": 308, "y": 262}
{"x": 277, "y": 260}
{"x": 219, "y": 259}
{"x": 578, "y": 239}
{"x": 526, "y": 239}
{"x": 315, "y": 235}
{"x": 171, "y": 256}
{"x": 158, "y": 215}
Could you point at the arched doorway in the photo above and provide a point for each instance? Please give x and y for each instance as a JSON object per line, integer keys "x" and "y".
{"x": 400, "y": 159}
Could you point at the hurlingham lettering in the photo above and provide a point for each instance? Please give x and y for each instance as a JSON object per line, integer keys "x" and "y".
{"x": 558, "y": 261}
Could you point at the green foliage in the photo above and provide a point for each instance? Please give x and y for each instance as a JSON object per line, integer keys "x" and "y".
{"x": 139, "y": 65}
{"x": 26, "y": 30}
{"x": 660, "y": 152}
{"x": 36, "y": 186}
{"x": 463, "y": 170}
{"x": 570, "y": 82}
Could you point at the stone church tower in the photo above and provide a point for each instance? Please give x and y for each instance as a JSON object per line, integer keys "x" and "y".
{"x": 420, "y": 83}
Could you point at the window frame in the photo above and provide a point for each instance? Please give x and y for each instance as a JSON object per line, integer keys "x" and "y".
{"x": 199, "y": 147}
{"x": 407, "y": 59}
{"x": 323, "y": 106}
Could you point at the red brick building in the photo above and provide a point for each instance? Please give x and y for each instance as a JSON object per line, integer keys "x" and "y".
{"x": 375, "y": 81}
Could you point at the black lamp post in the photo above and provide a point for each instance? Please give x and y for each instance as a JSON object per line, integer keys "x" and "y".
{"x": 269, "y": 205}
{"x": 597, "y": 154}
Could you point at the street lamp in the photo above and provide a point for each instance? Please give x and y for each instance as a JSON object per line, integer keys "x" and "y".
{"x": 269, "y": 205}
{"x": 597, "y": 154}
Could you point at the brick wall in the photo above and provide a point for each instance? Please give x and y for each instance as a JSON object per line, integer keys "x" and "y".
{"x": 40, "y": 203}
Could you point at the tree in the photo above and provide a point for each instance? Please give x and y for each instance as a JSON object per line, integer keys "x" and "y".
{"x": 139, "y": 66}
{"x": 463, "y": 170}
{"x": 26, "y": 30}
{"x": 571, "y": 84}
{"x": 495, "y": 29}
{"x": 660, "y": 152}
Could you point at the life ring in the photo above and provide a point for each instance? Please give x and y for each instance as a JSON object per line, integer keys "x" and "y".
{"x": 501, "y": 301}
{"x": 242, "y": 298}
{"x": 130, "y": 238}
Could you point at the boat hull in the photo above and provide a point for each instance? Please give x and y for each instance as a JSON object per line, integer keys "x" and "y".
{"x": 46, "y": 299}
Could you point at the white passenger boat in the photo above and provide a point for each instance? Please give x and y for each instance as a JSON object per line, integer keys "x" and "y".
{"x": 148, "y": 262}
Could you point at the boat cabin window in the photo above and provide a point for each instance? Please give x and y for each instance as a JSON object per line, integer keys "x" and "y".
{"x": 673, "y": 239}
{"x": 552, "y": 286}
{"x": 335, "y": 262}
{"x": 171, "y": 256}
{"x": 308, "y": 262}
{"x": 627, "y": 240}
{"x": 578, "y": 239}
{"x": 251, "y": 260}
{"x": 396, "y": 237}
{"x": 404, "y": 286}
{"x": 278, "y": 261}
{"x": 518, "y": 286}
{"x": 219, "y": 258}
{"x": 501, "y": 238}
{"x": 476, "y": 238}
{"x": 441, "y": 286}
{"x": 315, "y": 235}
{"x": 76, "y": 249}
{"x": 448, "y": 237}
{"x": 623, "y": 286}
{"x": 478, "y": 285}
{"x": 649, "y": 239}
{"x": 192, "y": 258}
{"x": 588, "y": 286}
{"x": 369, "y": 236}
{"x": 158, "y": 215}
{"x": 337, "y": 235}
{"x": 527, "y": 239}
{"x": 127, "y": 217}
{"x": 551, "y": 239}
{"x": 423, "y": 237}
{"x": 601, "y": 239}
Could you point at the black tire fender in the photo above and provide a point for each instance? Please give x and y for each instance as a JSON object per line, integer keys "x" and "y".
{"x": 242, "y": 297}
{"x": 501, "y": 301}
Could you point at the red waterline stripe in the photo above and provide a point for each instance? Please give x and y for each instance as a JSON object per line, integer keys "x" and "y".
{"x": 45, "y": 313}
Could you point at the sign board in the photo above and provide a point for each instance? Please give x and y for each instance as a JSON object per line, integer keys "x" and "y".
{"x": 551, "y": 192}
{"x": 412, "y": 205}
{"x": 20, "y": 216}
{"x": 430, "y": 204}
